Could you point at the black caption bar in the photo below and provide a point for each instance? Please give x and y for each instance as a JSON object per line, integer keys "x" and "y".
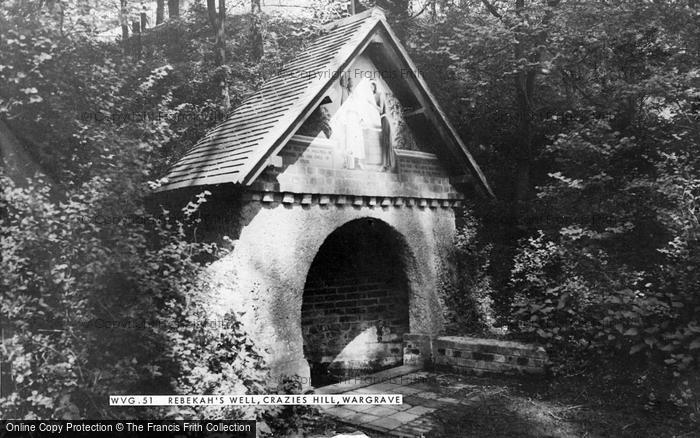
{"x": 127, "y": 428}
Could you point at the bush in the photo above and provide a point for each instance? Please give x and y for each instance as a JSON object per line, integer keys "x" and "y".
{"x": 101, "y": 297}
{"x": 468, "y": 296}
{"x": 618, "y": 283}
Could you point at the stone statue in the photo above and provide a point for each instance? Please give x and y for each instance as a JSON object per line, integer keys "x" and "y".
{"x": 388, "y": 157}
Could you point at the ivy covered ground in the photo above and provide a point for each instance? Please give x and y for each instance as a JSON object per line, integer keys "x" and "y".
{"x": 565, "y": 407}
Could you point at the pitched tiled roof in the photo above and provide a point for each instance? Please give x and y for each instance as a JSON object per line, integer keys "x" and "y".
{"x": 237, "y": 150}
{"x": 231, "y": 150}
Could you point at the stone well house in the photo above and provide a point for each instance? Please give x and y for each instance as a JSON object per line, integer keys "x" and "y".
{"x": 339, "y": 182}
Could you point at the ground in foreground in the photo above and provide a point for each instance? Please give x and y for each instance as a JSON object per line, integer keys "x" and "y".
{"x": 446, "y": 405}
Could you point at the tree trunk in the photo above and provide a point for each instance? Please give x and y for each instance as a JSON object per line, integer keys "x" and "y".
{"x": 136, "y": 31}
{"x": 221, "y": 34}
{"x": 174, "y": 9}
{"x": 123, "y": 20}
{"x": 211, "y": 12}
{"x": 524, "y": 92}
{"x": 399, "y": 10}
{"x": 218, "y": 24}
{"x": 256, "y": 39}
{"x": 524, "y": 87}
{"x": 221, "y": 56}
{"x": 160, "y": 11}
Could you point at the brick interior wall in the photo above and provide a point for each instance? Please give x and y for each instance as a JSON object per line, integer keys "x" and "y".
{"x": 355, "y": 305}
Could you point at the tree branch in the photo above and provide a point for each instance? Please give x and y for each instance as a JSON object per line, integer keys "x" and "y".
{"x": 492, "y": 9}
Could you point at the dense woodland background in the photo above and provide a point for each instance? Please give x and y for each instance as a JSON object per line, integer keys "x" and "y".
{"x": 583, "y": 114}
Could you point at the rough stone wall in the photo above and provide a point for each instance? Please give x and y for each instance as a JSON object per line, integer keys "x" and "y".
{"x": 276, "y": 240}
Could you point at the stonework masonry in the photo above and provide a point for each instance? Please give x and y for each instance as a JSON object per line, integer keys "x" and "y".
{"x": 275, "y": 244}
{"x": 279, "y": 224}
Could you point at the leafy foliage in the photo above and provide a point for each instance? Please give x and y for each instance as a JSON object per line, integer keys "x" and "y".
{"x": 106, "y": 292}
{"x": 100, "y": 301}
{"x": 469, "y": 300}
{"x": 585, "y": 117}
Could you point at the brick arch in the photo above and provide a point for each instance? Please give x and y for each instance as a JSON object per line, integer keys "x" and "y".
{"x": 356, "y": 300}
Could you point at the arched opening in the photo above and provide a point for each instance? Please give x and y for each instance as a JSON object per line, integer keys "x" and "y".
{"x": 355, "y": 303}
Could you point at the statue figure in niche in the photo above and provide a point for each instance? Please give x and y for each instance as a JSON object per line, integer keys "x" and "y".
{"x": 363, "y": 124}
{"x": 354, "y": 139}
{"x": 388, "y": 157}
{"x": 364, "y": 120}
{"x": 352, "y": 120}
{"x": 345, "y": 87}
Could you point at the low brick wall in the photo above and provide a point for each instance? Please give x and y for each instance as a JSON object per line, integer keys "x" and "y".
{"x": 474, "y": 355}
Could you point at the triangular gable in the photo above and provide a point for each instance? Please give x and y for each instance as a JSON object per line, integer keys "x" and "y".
{"x": 242, "y": 147}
